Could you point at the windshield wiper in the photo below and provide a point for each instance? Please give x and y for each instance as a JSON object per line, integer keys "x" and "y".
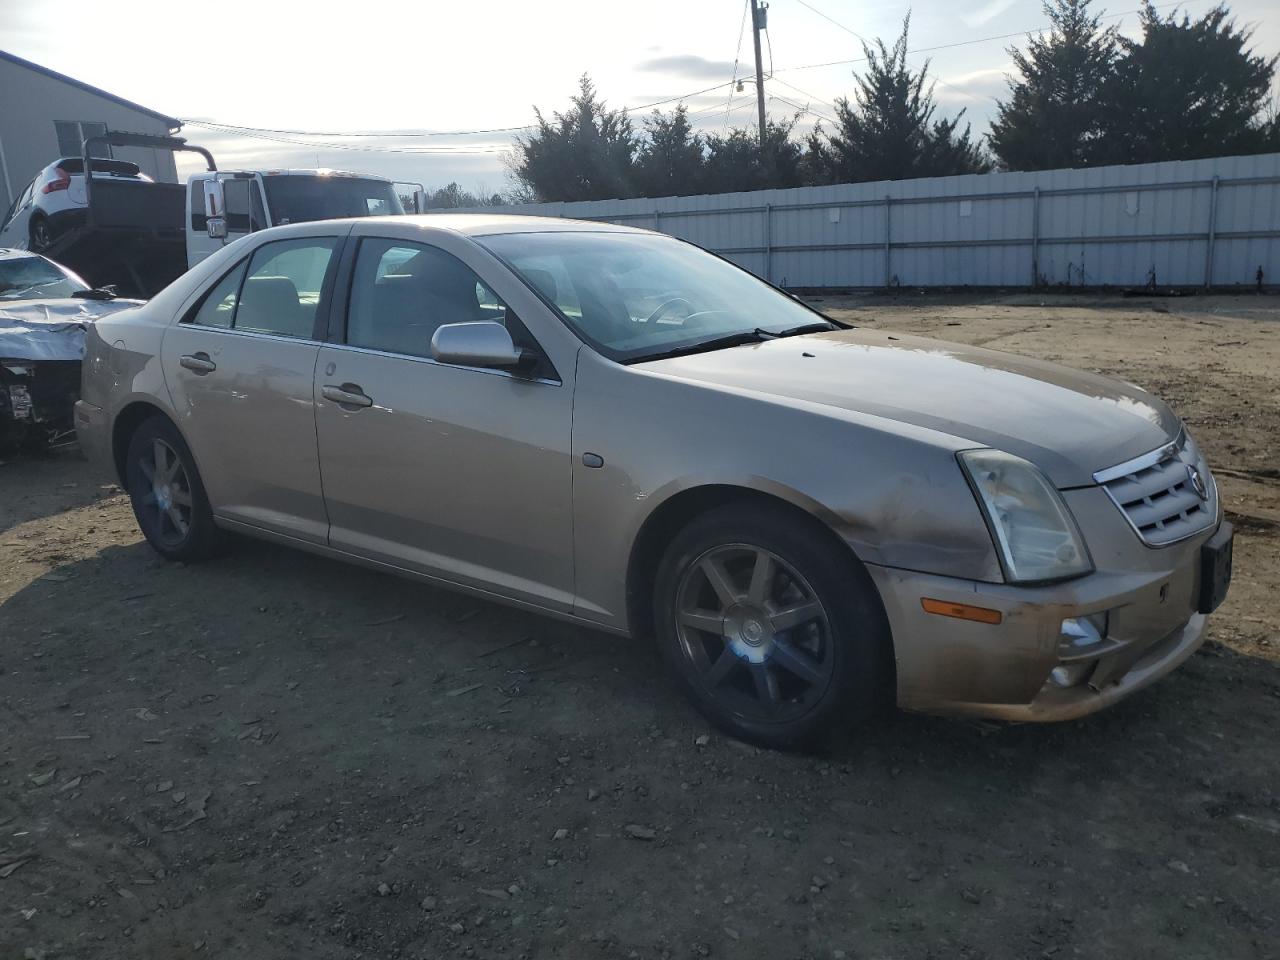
{"x": 758, "y": 335}
{"x": 713, "y": 343}
{"x": 96, "y": 293}
{"x": 818, "y": 326}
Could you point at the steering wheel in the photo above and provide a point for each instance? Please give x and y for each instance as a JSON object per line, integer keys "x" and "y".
{"x": 666, "y": 305}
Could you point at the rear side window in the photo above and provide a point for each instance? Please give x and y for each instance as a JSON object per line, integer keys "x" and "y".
{"x": 219, "y": 305}
{"x": 277, "y": 291}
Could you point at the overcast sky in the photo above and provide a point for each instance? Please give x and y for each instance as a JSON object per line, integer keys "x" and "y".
{"x": 379, "y": 66}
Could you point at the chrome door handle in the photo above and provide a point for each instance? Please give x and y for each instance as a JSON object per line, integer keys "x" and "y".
{"x": 198, "y": 363}
{"x": 348, "y": 395}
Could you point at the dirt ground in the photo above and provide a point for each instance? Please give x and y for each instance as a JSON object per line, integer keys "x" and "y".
{"x": 278, "y": 756}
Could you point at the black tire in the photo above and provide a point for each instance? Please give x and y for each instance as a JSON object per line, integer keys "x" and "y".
{"x": 174, "y": 515}
{"x": 808, "y": 679}
{"x": 39, "y": 234}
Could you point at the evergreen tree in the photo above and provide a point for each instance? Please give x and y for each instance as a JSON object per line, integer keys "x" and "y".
{"x": 586, "y": 153}
{"x": 1188, "y": 89}
{"x": 672, "y": 157}
{"x": 889, "y": 132}
{"x": 737, "y": 162}
{"x": 1055, "y": 111}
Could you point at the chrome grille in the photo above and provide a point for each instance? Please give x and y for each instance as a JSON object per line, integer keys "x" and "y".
{"x": 1158, "y": 493}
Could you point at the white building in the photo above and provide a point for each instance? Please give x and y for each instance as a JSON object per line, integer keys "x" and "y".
{"x": 45, "y": 115}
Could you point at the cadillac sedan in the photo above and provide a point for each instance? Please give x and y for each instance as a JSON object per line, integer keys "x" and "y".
{"x": 617, "y": 428}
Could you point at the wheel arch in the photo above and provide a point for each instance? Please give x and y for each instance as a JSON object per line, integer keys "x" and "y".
{"x": 682, "y": 507}
{"x": 131, "y": 416}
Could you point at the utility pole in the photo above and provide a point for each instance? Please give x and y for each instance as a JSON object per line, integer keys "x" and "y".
{"x": 759, "y": 21}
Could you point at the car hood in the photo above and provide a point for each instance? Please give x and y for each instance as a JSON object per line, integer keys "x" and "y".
{"x": 51, "y": 329}
{"x": 1067, "y": 422}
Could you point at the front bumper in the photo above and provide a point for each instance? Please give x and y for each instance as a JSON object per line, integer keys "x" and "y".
{"x": 1003, "y": 671}
{"x": 37, "y": 395}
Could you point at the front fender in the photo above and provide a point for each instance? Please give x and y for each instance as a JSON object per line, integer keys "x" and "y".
{"x": 893, "y": 492}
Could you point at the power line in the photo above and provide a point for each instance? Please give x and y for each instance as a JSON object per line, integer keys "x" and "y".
{"x": 280, "y": 135}
{"x": 255, "y": 131}
{"x": 961, "y": 43}
{"x": 442, "y": 151}
{"x": 814, "y": 97}
{"x": 804, "y": 109}
{"x": 737, "y": 58}
{"x": 318, "y": 133}
{"x": 832, "y": 20}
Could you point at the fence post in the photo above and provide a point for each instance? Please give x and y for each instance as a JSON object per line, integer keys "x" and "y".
{"x": 888, "y": 234}
{"x": 1213, "y": 227}
{"x": 768, "y": 243}
{"x": 1035, "y": 238}
{"x": 657, "y": 220}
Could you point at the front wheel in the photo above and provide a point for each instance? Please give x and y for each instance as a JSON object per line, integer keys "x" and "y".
{"x": 168, "y": 498}
{"x": 774, "y": 629}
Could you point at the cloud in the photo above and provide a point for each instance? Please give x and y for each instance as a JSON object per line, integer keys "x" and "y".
{"x": 987, "y": 12}
{"x": 689, "y": 65}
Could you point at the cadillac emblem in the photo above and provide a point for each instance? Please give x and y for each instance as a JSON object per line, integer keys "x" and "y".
{"x": 1197, "y": 482}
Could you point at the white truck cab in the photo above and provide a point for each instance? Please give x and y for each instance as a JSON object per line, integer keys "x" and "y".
{"x": 224, "y": 205}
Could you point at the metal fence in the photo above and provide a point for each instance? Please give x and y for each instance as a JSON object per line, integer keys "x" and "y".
{"x": 1193, "y": 223}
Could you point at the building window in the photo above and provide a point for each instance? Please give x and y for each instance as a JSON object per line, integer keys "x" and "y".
{"x": 73, "y": 133}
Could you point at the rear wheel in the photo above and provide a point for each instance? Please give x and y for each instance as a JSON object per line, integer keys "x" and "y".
{"x": 168, "y": 498}
{"x": 40, "y": 236}
{"x": 773, "y": 629}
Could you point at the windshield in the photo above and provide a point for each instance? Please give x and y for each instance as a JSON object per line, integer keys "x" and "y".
{"x": 638, "y": 296}
{"x": 30, "y": 278}
{"x": 297, "y": 199}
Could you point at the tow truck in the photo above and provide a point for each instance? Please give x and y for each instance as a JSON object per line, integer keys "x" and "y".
{"x": 137, "y": 237}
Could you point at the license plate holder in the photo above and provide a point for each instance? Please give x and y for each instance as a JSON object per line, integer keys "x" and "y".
{"x": 1215, "y": 569}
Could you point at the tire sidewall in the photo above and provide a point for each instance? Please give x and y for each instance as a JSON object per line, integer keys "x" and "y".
{"x": 34, "y": 245}
{"x": 202, "y": 534}
{"x": 859, "y": 633}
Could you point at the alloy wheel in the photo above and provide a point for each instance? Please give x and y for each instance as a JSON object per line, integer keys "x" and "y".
{"x": 755, "y": 632}
{"x": 168, "y": 499}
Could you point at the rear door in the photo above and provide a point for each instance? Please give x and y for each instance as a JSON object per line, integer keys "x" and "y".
{"x": 240, "y": 367}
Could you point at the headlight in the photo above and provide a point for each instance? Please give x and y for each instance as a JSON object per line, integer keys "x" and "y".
{"x": 1035, "y": 532}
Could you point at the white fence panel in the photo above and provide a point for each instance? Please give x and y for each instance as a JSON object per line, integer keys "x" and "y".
{"x": 1184, "y": 224}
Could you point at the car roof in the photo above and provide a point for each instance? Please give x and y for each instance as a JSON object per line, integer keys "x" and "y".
{"x": 294, "y": 172}
{"x": 482, "y": 224}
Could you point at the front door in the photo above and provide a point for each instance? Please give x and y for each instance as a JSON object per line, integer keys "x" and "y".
{"x": 240, "y": 368}
{"x": 458, "y": 472}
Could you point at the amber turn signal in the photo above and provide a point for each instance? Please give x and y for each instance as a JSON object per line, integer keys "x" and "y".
{"x": 961, "y": 611}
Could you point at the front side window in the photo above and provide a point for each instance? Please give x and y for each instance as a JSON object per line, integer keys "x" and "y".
{"x": 277, "y": 292}
{"x": 244, "y": 206}
{"x": 637, "y": 296}
{"x": 402, "y": 292}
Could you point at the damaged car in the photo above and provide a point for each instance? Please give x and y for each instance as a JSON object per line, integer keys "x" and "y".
{"x": 44, "y": 311}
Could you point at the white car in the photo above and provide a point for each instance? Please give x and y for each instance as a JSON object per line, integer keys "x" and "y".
{"x": 54, "y": 202}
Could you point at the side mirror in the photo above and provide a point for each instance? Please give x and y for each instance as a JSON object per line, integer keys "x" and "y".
{"x": 419, "y": 200}
{"x": 214, "y": 208}
{"x": 482, "y": 343}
